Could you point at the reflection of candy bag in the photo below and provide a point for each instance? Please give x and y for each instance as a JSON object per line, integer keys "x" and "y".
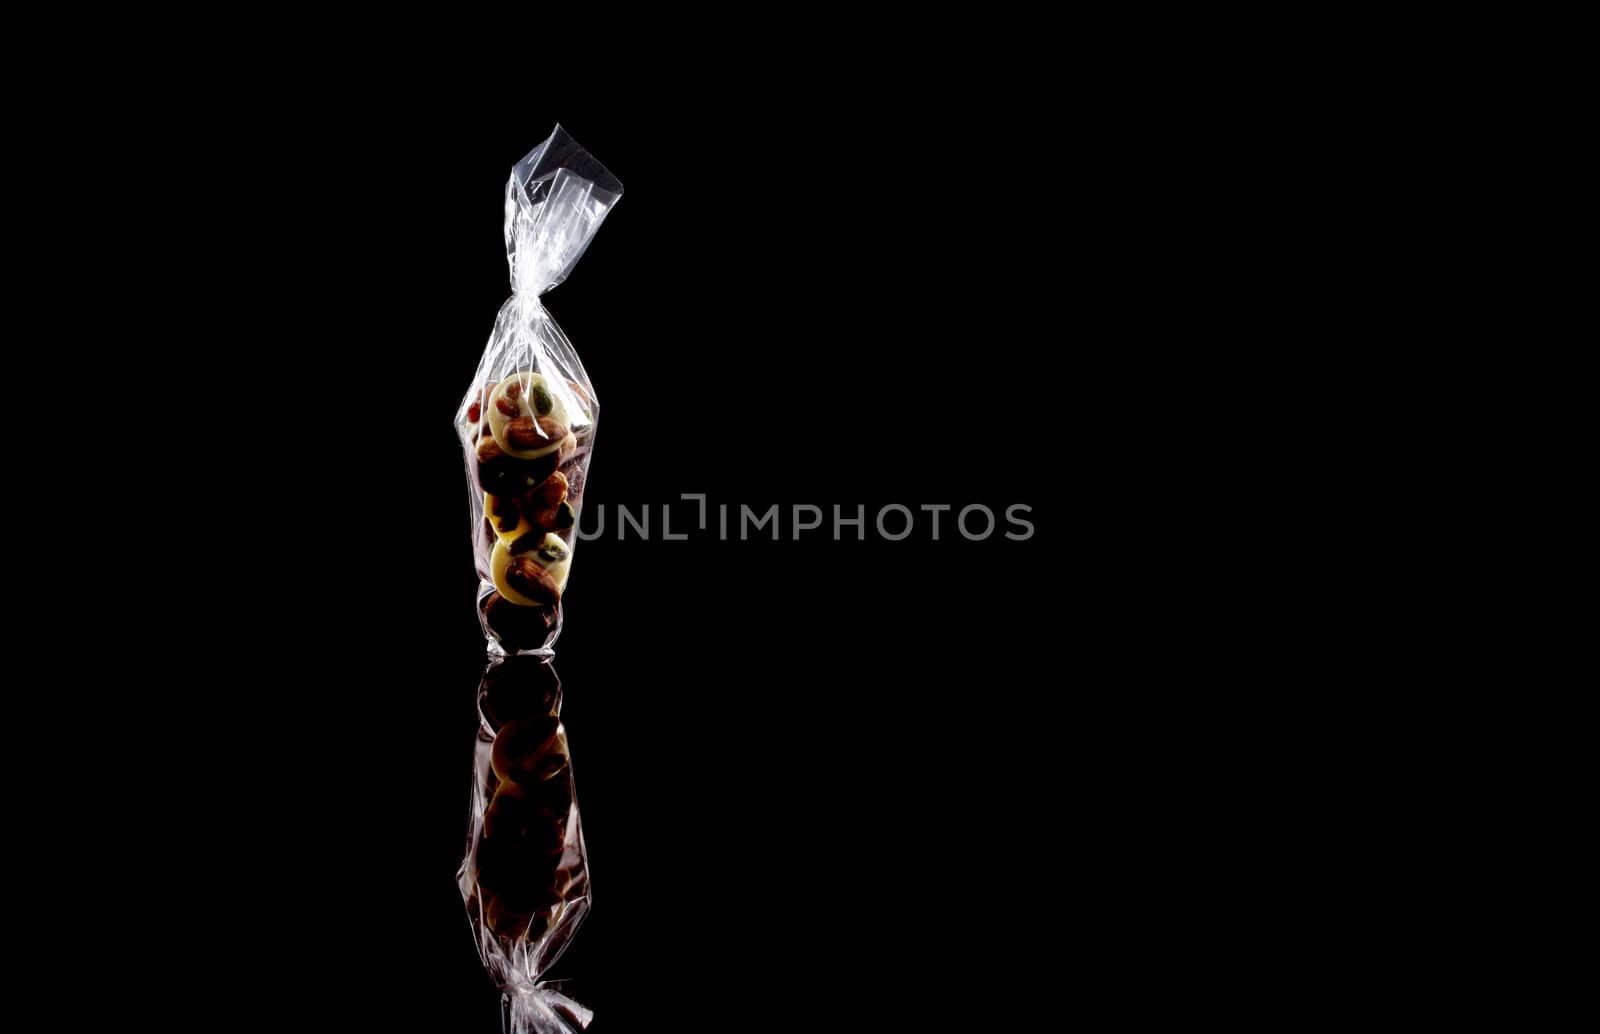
{"x": 527, "y": 423}
{"x": 524, "y": 877}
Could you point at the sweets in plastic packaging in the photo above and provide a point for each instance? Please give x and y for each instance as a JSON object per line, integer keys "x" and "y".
{"x": 527, "y": 423}
{"x": 527, "y": 427}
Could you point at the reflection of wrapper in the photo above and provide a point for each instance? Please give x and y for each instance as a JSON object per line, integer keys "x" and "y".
{"x": 524, "y": 878}
{"x": 528, "y": 421}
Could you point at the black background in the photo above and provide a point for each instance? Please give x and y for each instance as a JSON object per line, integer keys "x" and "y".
{"x": 803, "y": 766}
{"x": 825, "y": 786}
{"x": 786, "y": 752}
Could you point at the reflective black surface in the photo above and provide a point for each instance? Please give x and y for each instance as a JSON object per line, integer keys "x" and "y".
{"x": 803, "y": 764}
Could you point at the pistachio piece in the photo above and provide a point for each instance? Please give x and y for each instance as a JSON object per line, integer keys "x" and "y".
{"x": 552, "y": 551}
{"x": 541, "y": 399}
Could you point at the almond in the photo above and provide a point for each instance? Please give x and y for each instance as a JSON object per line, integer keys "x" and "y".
{"x": 526, "y": 576}
{"x": 552, "y": 491}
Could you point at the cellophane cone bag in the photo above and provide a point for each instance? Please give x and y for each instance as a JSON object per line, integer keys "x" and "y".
{"x": 524, "y": 876}
{"x": 527, "y": 422}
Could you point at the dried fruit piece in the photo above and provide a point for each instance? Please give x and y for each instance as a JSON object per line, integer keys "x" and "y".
{"x": 475, "y": 407}
{"x": 576, "y": 477}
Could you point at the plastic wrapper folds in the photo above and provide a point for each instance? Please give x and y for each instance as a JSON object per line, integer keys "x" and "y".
{"x": 524, "y": 875}
{"x": 527, "y": 423}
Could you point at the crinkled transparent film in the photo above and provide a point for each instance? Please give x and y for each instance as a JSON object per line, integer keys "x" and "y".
{"x": 527, "y": 422}
{"x": 523, "y": 876}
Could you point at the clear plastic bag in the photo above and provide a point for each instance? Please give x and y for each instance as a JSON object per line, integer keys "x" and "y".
{"x": 527, "y": 423}
{"x": 524, "y": 876}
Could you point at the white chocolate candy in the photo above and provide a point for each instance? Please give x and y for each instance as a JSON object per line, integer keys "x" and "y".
{"x": 551, "y": 554}
{"x": 524, "y": 392}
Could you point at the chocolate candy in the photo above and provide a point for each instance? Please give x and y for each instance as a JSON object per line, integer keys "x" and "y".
{"x": 527, "y": 436}
{"x": 526, "y": 419}
{"x": 543, "y": 508}
{"x": 532, "y": 570}
{"x": 501, "y": 474}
